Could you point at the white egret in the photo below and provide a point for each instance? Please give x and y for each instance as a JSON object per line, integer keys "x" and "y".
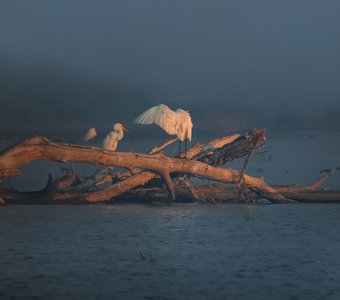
{"x": 112, "y": 138}
{"x": 90, "y": 135}
{"x": 173, "y": 122}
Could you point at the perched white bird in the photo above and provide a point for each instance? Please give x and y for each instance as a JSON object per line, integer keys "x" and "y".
{"x": 112, "y": 138}
{"x": 90, "y": 135}
{"x": 173, "y": 122}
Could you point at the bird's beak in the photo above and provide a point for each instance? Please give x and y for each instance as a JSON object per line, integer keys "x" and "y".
{"x": 125, "y": 129}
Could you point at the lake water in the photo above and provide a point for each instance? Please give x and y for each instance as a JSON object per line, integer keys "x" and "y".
{"x": 182, "y": 251}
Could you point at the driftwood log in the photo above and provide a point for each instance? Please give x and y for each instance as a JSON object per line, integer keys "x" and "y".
{"x": 146, "y": 174}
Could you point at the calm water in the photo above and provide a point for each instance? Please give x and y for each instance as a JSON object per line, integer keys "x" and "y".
{"x": 191, "y": 251}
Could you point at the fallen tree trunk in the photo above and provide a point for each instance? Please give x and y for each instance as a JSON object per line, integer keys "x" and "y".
{"x": 196, "y": 193}
{"x": 209, "y": 194}
{"x": 204, "y": 194}
{"x": 212, "y": 193}
{"x": 40, "y": 148}
{"x": 203, "y": 161}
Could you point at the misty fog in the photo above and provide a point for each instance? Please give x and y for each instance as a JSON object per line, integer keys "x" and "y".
{"x": 70, "y": 65}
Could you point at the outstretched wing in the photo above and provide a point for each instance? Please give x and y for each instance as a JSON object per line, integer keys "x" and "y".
{"x": 160, "y": 115}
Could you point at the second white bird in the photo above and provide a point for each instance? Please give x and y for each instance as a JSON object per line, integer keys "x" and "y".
{"x": 113, "y": 137}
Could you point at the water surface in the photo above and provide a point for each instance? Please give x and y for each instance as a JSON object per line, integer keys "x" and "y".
{"x": 191, "y": 251}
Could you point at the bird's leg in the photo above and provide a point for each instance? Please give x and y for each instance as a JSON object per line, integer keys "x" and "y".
{"x": 185, "y": 146}
{"x": 180, "y": 146}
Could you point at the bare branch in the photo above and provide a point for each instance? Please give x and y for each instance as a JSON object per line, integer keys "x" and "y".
{"x": 40, "y": 148}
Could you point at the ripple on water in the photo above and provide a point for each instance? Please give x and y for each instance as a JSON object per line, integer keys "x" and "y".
{"x": 199, "y": 251}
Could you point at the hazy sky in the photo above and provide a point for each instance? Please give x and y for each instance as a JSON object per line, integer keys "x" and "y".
{"x": 69, "y": 65}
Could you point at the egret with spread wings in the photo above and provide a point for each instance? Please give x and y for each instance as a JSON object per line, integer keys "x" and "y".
{"x": 173, "y": 122}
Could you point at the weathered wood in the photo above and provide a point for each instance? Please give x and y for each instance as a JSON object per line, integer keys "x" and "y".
{"x": 238, "y": 148}
{"x": 40, "y": 148}
{"x": 146, "y": 167}
{"x": 144, "y": 177}
{"x": 221, "y": 194}
{"x": 210, "y": 146}
{"x": 190, "y": 187}
{"x": 126, "y": 174}
{"x": 314, "y": 196}
{"x": 202, "y": 193}
{"x": 316, "y": 184}
{"x": 158, "y": 149}
{"x": 88, "y": 183}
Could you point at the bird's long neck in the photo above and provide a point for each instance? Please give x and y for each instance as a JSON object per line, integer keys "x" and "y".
{"x": 120, "y": 134}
